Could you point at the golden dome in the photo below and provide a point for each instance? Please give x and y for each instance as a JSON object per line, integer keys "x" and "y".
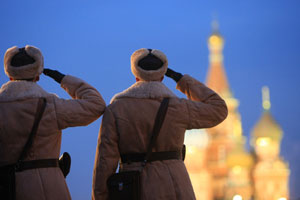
{"x": 215, "y": 40}
{"x": 267, "y": 127}
{"x": 238, "y": 156}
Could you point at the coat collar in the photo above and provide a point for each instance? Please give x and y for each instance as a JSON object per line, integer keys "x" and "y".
{"x": 19, "y": 90}
{"x": 145, "y": 90}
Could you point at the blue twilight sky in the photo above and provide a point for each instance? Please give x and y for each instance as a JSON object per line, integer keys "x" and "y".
{"x": 94, "y": 40}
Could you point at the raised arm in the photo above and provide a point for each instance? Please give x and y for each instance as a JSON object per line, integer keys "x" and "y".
{"x": 85, "y": 106}
{"x": 204, "y": 107}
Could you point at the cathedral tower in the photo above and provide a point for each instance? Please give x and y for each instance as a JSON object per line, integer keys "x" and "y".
{"x": 271, "y": 172}
{"x": 224, "y": 137}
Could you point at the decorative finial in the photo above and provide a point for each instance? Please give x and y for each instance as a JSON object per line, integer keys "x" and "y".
{"x": 215, "y": 23}
{"x": 266, "y": 98}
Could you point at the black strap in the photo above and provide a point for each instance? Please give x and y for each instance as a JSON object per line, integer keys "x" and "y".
{"x": 38, "y": 115}
{"x": 33, "y": 164}
{"x": 159, "y": 120}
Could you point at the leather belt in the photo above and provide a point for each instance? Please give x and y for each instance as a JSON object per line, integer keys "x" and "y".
{"x": 33, "y": 164}
{"x": 155, "y": 156}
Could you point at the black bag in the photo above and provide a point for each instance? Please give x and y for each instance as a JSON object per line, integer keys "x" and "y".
{"x": 7, "y": 173}
{"x": 124, "y": 185}
{"x": 7, "y": 182}
{"x": 127, "y": 185}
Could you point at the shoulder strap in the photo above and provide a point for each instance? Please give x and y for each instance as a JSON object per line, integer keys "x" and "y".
{"x": 159, "y": 120}
{"x": 38, "y": 115}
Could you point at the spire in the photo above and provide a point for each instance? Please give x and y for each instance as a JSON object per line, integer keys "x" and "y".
{"x": 216, "y": 77}
{"x": 266, "y": 98}
{"x": 215, "y": 26}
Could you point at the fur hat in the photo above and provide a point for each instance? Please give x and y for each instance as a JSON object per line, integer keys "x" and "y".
{"x": 26, "y": 71}
{"x": 150, "y": 74}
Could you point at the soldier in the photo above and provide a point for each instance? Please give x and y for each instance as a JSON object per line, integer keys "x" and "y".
{"x": 128, "y": 123}
{"x": 42, "y": 178}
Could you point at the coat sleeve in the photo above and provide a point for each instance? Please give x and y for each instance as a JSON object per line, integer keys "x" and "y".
{"x": 85, "y": 106}
{"x": 107, "y": 156}
{"x": 205, "y": 108}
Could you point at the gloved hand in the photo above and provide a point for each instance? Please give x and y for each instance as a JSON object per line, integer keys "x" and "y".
{"x": 173, "y": 75}
{"x": 56, "y": 75}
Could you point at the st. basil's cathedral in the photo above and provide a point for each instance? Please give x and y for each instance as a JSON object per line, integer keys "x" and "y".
{"x": 219, "y": 165}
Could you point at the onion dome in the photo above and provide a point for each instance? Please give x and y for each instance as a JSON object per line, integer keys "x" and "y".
{"x": 267, "y": 127}
{"x": 215, "y": 41}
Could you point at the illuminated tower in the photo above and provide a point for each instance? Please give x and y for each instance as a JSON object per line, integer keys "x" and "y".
{"x": 223, "y": 138}
{"x": 271, "y": 173}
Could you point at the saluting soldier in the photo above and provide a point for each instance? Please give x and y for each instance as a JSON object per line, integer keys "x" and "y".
{"x": 128, "y": 123}
{"x": 42, "y": 179}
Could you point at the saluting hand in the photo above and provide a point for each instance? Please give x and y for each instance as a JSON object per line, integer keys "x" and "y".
{"x": 176, "y": 76}
{"x": 56, "y": 75}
